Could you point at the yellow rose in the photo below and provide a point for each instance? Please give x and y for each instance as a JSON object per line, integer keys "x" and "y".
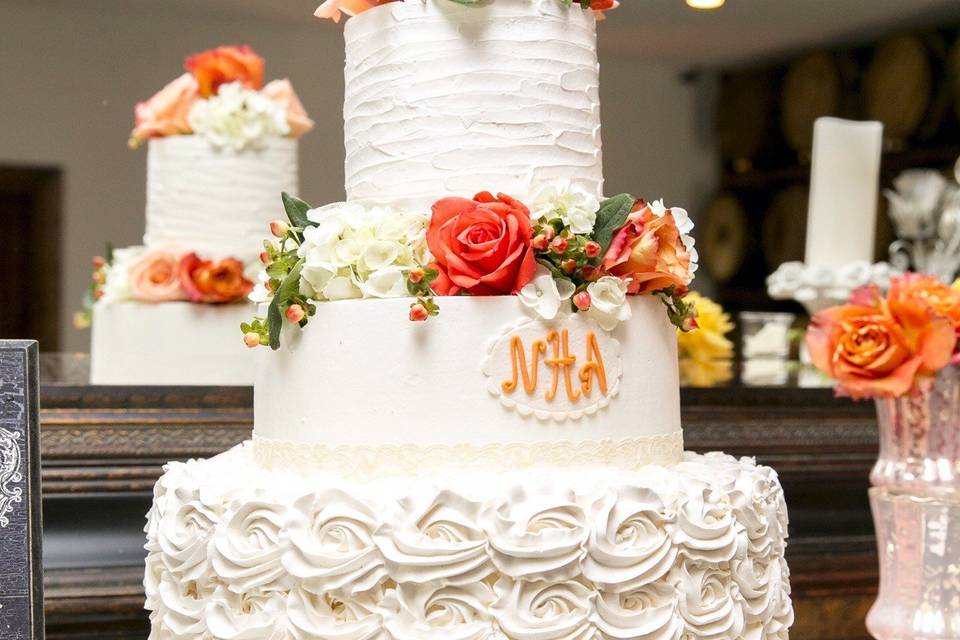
{"x": 706, "y": 354}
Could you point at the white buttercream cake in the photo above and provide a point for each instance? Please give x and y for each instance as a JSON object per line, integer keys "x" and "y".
{"x": 512, "y": 469}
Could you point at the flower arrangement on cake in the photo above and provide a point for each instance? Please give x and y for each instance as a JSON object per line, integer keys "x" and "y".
{"x": 570, "y": 252}
{"x": 888, "y": 345}
{"x": 222, "y": 97}
{"x": 336, "y": 9}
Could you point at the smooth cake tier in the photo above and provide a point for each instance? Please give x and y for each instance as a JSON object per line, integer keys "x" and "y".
{"x": 216, "y": 202}
{"x": 445, "y": 99}
{"x": 485, "y": 383}
{"x": 693, "y": 550}
{"x": 170, "y": 343}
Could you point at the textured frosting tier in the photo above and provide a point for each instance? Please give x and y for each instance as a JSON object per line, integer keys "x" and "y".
{"x": 171, "y": 343}
{"x": 363, "y": 374}
{"x": 217, "y": 202}
{"x": 693, "y": 550}
{"x": 445, "y": 99}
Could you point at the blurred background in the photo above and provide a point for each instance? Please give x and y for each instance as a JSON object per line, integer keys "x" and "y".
{"x": 711, "y": 110}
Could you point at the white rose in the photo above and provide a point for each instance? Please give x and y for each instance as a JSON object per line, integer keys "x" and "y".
{"x": 645, "y": 613}
{"x": 710, "y": 604}
{"x": 537, "y": 534}
{"x": 608, "y": 302}
{"x": 334, "y": 617}
{"x": 185, "y": 531}
{"x": 437, "y": 539}
{"x": 573, "y": 204}
{"x": 389, "y": 282}
{"x": 541, "y": 610}
{"x": 331, "y": 543}
{"x": 706, "y": 528}
{"x": 246, "y": 616}
{"x": 436, "y": 611}
{"x": 246, "y": 546}
{"x": 544, "y": 293}
{"x": 630, "y": 545}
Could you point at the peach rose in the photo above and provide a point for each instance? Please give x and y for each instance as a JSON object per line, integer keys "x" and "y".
{"x": 223, "y": 65}
{"x": 481, "y": 246}
{"x": 332, "y": 9}
{"x": 649, "y": 253}
{"x": 165, "y": 114}
{"x": 155, "y": 276}
{"x": 213, "y": 280}
{"x": 282, "y": 91}
{"x": 879, "y": 351}
{"x": 928, "y": 291}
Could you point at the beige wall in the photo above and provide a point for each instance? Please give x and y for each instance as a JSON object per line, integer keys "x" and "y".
{"x": 70, "y": 74}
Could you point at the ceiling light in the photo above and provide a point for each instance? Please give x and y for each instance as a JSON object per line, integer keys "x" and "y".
{"x": 705, "y": 4}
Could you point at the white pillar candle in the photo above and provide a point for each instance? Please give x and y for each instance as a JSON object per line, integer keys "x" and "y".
{"x": 844, "y": 183}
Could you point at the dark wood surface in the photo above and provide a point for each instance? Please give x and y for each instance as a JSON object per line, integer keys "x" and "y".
{"x": 104, "y": 446}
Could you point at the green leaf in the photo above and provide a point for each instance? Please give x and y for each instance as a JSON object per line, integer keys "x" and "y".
{"x": 289, "y": 287}
{"x": 552, "y": 267}
{"x": 108, "y": 254}
{"x": 296, "y": 210}
{"x": 612, "y": 214}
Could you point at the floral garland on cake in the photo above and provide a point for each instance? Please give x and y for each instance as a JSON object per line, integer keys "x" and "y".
{"x": 570, "y": 251}
{"x": 222, "y": 97}
{"x": 335, "y": 9}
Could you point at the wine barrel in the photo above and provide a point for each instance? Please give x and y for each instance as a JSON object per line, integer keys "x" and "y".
{"x": 784, "y": 230}
{"x": 812, "y": 88}
{"x": 724, "y": 236}
{"x": 897, "y": 87}
{"x": 744, "y": 116}
{"x": 953, "y": 76}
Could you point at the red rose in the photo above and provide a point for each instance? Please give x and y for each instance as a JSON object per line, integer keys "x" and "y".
{"x": 481, "y": 246}
{"x": 213, "y": 281}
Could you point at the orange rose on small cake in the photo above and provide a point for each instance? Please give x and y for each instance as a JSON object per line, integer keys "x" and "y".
{"x": 223, "y": 65}
{"x": 881, "y": 347}
{"x": 213, "y": 281}
{"x": 481, "y": 246}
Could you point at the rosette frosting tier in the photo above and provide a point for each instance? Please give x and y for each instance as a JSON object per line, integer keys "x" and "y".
{"x": 236, "y": 551}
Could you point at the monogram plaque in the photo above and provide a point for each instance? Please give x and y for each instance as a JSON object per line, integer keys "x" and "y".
{"x": 21, "y": 572}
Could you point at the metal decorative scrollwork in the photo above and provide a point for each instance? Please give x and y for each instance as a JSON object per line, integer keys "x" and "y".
{"x": 10, "y": 473}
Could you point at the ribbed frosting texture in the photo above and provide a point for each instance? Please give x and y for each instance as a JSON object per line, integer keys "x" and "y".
{"x": 217, "y": 202}
{"x": 445, "y": 99}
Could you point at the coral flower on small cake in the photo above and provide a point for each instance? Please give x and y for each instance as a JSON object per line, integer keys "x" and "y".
{"x": 481, "y": 246}
{"x": 155, "y": 276}
{"x": 213, "y": 281}
{"x": 165, "y": 114}
{"x": 225, "y": 65}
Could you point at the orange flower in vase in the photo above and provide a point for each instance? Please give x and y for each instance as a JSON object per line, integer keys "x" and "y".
{"x": 224, "y": 65}
{"x": 927, "y": 291}
{"x": 881, "y": 350}
{"x": 215, "y": 281}
{"x": 648, "y": 252}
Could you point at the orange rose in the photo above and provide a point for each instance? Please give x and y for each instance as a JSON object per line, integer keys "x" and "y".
{"x": 155, "y": 276}
{"x": 213, "y": 281}
{"x": 223, "y": 65}
{"x": 282, "y": 91}
{"x": 649, "y": 252}
{"x": 928, "y": 291}
{"x": 481, "y": 246}
{"x": 165, "y": 114}
{"x": 879, "y": 351}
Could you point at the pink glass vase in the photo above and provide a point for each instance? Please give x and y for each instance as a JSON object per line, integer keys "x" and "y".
{"x": 916, "y": 512}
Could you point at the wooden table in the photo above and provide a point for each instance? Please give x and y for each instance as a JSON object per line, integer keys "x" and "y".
{"x": 103, "y": 448}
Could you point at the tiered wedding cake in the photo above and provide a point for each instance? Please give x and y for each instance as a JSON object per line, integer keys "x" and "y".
{"x": 512, "y": 468}
{"x": 221, "y": 149}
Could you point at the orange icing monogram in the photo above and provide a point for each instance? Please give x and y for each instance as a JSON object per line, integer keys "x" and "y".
{"x": 562, "y": 363}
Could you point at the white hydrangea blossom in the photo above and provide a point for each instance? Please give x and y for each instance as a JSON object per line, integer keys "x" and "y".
{"x": 238, "y": 118}
{"x": 116, "y": 288}
{"x": 358, "y": 251}
{"x": 574, "y": 205}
